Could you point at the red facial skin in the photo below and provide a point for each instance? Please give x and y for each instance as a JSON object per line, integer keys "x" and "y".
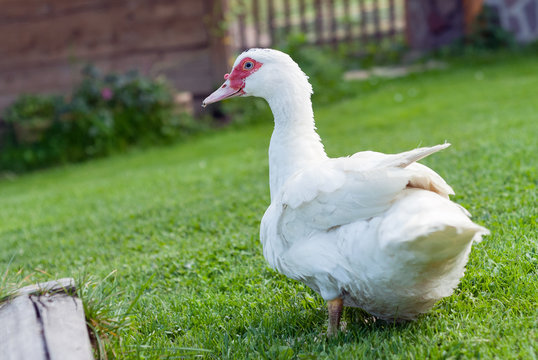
{"x": 235, "y": 81}
{"x": 240, "y": 73}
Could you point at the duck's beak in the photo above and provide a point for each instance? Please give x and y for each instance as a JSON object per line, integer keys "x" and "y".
{"x": 223, "y": 92}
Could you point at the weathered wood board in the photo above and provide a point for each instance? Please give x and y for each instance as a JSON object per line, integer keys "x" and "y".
{"x": 64, "y": 285}
{"x": 44, "y": 327}
{"x": 120, "y": 29}
{"x": 20, "y": 331}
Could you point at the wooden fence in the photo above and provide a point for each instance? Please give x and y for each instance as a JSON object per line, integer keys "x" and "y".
{"x": 264, "y": 23}
{"x": 44, "y": 43}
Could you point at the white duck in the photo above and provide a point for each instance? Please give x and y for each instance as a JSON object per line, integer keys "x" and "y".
{"x": 372, "y": 230}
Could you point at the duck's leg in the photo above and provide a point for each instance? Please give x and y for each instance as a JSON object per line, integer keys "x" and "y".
{"x": 335, "y": 312}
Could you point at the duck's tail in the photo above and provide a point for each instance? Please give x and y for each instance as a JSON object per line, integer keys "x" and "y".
{"x": 428, "y": 239}
{"x": 404, "y": 159}
{"x": 429, "y": 227}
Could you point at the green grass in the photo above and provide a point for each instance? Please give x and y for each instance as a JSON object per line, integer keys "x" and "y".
{"x": 178, "y": 229}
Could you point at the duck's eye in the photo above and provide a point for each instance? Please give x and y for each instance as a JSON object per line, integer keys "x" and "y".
{"x": 248, "y": 65}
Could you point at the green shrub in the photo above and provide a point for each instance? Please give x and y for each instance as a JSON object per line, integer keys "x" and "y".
{"x": 104, "y": 114}
{"x": 28, "y": 143}
{"x": 324, "y": 67}
{"x": 487, "y": 33}
{"x": 30, "y": 116}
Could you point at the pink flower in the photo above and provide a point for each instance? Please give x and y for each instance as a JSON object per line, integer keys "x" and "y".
{"x": 106, "y": 93}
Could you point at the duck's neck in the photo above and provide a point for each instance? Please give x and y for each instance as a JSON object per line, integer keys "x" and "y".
{"x": 294, "y": 143}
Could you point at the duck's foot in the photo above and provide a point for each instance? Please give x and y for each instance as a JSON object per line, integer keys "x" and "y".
{"x": 335, "y": 313}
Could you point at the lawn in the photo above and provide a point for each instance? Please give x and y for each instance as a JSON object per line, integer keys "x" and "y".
{"x": 176, "y": 229}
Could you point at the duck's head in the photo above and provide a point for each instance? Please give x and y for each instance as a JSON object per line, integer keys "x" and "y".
{"x": 263, "y": 73}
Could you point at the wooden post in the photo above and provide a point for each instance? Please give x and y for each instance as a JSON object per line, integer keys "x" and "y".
{"x": 318, "y": 6}
{"x": 362, "y": 11}
{"x": 347, "y": 18}
{"x": 242, "y": 29}
{"x": 219, "y": 47}
{"x": 302, "y": 15}
{"x": 256, "y": 18}
{"x": 471, "y": 9}
{"x": 270, "y": 21}
{"x": 333, "y": 38}
{"x": 287, "y": 16}
{"x": 392, "y": 19}
{"x": 377, "y": 22}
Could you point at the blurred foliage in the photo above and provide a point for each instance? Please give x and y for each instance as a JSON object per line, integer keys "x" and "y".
{"x": 486, "y": 35}
{"x": 487, "y": 32}
{"x": 110, "y": 112}
{"x": 385, "y": 51}
{"x": 324, "y": 66}
{"x": 105, "y": 113}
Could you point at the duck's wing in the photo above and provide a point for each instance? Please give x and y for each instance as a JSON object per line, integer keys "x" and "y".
{"x": 343, "y": 190}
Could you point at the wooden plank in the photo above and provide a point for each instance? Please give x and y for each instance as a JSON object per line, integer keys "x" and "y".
{"x": 32, "y": 10}
{"x": 43, "y": 79}
{"x": 148, "y": 27}
{"x": 5, "y": 100}
{"x": 64, "y": 327}
{"x": 16, "y": 10}
{"x": 64, "y": 285}
{"x": 20, "y": 331}
{"x": 186, "y": 70}
{"x": 192, "y": 71}
{"x": 49, "y": 326}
